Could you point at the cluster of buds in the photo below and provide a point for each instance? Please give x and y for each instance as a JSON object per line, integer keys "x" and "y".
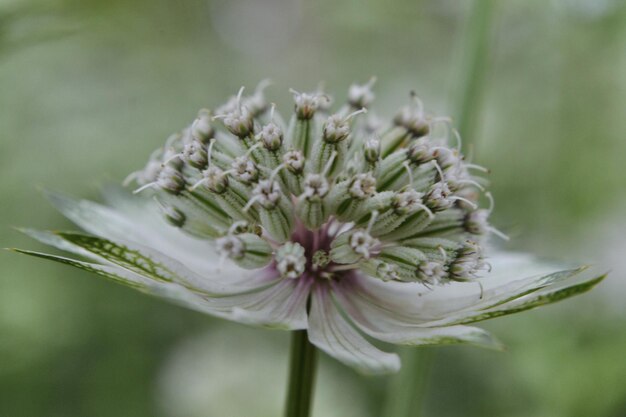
{"x": 326, "y": 193}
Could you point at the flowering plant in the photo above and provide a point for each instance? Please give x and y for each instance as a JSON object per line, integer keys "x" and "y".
{"x": 334, "y": 223}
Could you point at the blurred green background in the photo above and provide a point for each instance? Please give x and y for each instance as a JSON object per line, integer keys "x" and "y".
{"x": 88, "y": 88}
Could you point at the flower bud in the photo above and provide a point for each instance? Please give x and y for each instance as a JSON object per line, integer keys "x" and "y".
{"x": 352, "y": 246}
{"x": 292, "y": 175}
{"x": 306, "y": 104}
{"x": 171, "y": 157}
{"x": 412, "y": 118}
{"x": 171, "y": 180}
{"x": 294, "y": 162}
{"x": 430, "y": 272}
{"x": 203, "y": 219}
{"x": 376, "y": 267}
{"x": 361, "y": 95}
{"x": 336, "y": 129}
{"x": 438, "y": 197}
{"x": 275, "y": 212}
{"x": 405, "y": 260}
{"x": 371, "y": 150}
{"x": 239, "y": 122}
{"x": 310, "y": 206}
{"x": 267, "y": 193}
{"x": 216, "y": 180}
{"x": 407, "y": 202}
{"x": 397, "y": 207}
{"x": 290, "y": 260}
{"x": 420, "y": 151}
{"x": 362, "y": 186}
{"x": 245, "y": 170}
{"x": 201, "y": 128}
{"x": 348, "y": 198}
{"x": 247, "y": 250}
{"x": 476, "y": 222}
{"x": 468, "y": 263}
{"x": 271, "y": 136}
{"x": 195, "y": 154}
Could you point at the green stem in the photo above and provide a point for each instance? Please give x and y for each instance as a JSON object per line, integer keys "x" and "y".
{"x": 302, "y": 369}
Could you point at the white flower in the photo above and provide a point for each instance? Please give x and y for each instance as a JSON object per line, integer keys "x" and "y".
{"x": 331, "y": 228}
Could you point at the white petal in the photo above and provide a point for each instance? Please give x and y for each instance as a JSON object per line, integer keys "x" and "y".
{"x": 332, "y": 333}
{"x": 548, "y": 295}
{"x": 138, "y": 222}
{"x": 283, "y": 306}
{"x": 416, "y": 304}
{"x": 385, "y": 326}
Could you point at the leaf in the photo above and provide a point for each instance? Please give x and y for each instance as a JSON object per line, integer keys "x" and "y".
{"x": 549, "y": 296}
{"x": 114, "y": 274}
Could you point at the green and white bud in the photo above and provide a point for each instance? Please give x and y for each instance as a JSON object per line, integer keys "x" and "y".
{"x": 468, "y": 262}
{"x": 201, "y": 128}
{"x": 476, "y": 222}
{"x": 336, "y": 128}
{"x": 420, "y": 151}
{"x": 361, "y": 95}
{"x": 431, "y": 272}
{"x": 398, "y": 208}
{"x": 405, "y": 259}
{"x": 215, "y": 179}
{"x": 334, "y": 142}
{"x": 413, "y": 119}
{"x": 202, "y": 219}
{"x": 247, "y": 250}
{"x": 306, "y": 104}
{"x": 195, "y": 154}
{"x": 303, "y": 127}
{"x": 231, "y": 195}
{"x": 353, "y": 246}
{"x": 271, "y": 136}
{"x": 245, "y": 170}
{"x": 290, "y": 260}
{"x": 347, "y": 199}
{"x": 170, "y": 180}
{"x": 311, "y": 206}
{"x": 438, "y": 197}
{"x": 371, "y": 151}
{"x": 294, "y": 168}
{"x": 275, "y": 211}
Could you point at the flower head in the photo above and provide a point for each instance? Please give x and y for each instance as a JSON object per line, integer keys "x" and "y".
{"x": 329, "y": 223}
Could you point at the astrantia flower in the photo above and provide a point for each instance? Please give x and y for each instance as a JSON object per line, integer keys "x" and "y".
{"x": 332, "y": 222}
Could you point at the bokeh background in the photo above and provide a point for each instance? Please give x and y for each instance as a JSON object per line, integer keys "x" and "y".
{"x": 89, "y": 87}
